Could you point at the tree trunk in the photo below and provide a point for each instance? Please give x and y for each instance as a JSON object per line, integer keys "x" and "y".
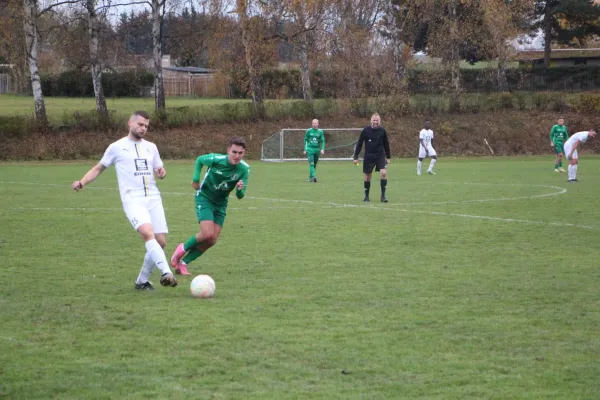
{"x": 32, "y": 42}
{"x": 455, "y": 76}
{"x": 157, "y": 22}
{"x": 398, "y": 46}
{"x": 501, "y": 73}
{"x": 93, "y": 30}
{"x": 256, "y": 84}
{"x": 304, "y": 68}
{"x": 547, "y": 35}
{"x": 399, "y": 59}
{"x": 454, "y": 53}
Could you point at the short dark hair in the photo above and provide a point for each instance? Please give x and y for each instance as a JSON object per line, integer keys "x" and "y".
{"x": 140, "y": 113}
{"x": 238, "y": 141}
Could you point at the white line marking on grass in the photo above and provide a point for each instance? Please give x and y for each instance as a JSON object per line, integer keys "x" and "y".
{"x": 372, "y": 207}
{"x": 484, "y": 217}
{"x": 61, "y": 209}
{"x": 481, "y": 217}
{"x": 558, "y": 191}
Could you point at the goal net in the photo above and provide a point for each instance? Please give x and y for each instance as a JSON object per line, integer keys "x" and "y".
{"x": 288, "y": 145}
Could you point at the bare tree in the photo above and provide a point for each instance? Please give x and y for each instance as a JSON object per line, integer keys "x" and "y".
{"x": 503, "y": 19}
{"x": 158, "y": 10}
{"x": 356, "y": 59}
{"x": 96, "y": 65}
{"x": 307, "y": 16}
{"x": 31, "y": 10}
{"x": 158, "y": 13}
{"x": 399, "y": 26}
{"x": 250, "y": 42}
{"x": 452, "y": 56}
{"x": 32, "y": 13}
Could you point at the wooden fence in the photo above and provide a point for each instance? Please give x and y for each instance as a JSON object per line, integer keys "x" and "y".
{"x": 210, "y": 85}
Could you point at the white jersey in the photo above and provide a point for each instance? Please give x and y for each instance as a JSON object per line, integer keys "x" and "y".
{"x": 580, "y": 136}
{"x": 135, "y": 162}
{"x": 426, "y": 135}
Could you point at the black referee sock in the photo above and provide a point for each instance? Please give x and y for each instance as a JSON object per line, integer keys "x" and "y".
{"x": 383, "y": 185}
{"x": 367, "y": 188}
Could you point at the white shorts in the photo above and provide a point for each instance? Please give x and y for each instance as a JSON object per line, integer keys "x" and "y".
{"x": 430, "y": 150}
{"x": 568, "y": 151}
{"x": 146, "y": 210}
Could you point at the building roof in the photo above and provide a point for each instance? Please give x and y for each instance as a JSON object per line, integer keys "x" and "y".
{"x": 191, "y": 70}
{"x": 556, "y": 54}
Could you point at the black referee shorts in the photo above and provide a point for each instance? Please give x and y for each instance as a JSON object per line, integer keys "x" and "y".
{"x": 373, "y": 162}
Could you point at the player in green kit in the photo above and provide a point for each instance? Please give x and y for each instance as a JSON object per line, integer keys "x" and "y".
{"x": 314, "y": 144}
{"x": 558, "y": 137}
{"x": 225, "y": 173}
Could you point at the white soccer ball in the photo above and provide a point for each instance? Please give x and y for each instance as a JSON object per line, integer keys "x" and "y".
{"x": 203, "y": 287}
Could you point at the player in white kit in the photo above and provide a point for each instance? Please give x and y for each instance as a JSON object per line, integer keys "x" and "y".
{"x": 136, "y": 162}
{"x": 426, "y": 149}
{"x": 571, "y": 152}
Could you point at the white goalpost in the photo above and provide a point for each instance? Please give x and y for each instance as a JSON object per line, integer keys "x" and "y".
{"x": 288, "y": 145}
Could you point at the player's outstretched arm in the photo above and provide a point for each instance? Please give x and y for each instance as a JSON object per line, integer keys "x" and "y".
{"x": 89, "y": 176}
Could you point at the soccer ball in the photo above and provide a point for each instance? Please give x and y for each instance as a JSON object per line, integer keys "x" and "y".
{"x": 202, "y": 287}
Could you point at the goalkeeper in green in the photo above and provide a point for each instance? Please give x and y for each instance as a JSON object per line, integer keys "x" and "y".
{"x": 558, "y": 137}
{"x": 225, "y": 173}
{"x": 314, "y": 144}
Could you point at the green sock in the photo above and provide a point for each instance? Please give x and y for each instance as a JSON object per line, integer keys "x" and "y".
{"x": 312, "y": 170}
{"x": 192, "y": 255}
{"x": 560, "y": 164}
{"x": 190, "y": 244}
{"x": 555, "y": 166}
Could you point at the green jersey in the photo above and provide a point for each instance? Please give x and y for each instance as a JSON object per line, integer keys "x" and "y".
{"x": 220, "y": 178}
{"x": 558, "y": 134}
{"x": 314, "y": 140}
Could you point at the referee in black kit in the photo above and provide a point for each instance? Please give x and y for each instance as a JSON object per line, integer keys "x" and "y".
{"x": 377, "y": 154}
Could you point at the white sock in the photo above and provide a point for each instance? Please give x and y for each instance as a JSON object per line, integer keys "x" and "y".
{"x": 431, "y": 164}
{"x": 570, "y": 172}
{"x": 419, "y": 163}
{"x": 158, "y": 256}
{"x": 147, "y": 267}
{"x": 575, "y": 171}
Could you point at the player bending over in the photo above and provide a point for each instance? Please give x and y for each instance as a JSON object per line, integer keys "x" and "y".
{"x": 558, "y": 135}
{"x": 314, "y": 144}
{"x": 136, "y": 162}
{"x": 426, "y": 149}
{"x": 225, "y": 173}
{"x": 571, "y": 151}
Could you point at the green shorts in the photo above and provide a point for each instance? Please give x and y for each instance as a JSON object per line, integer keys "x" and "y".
{"x": 313, "y": 157}
{"x": 559, "y": 148}
{"x": 206, "y": 210}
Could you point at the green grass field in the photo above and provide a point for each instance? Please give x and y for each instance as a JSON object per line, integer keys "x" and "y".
{"x": 479, "y": 282}
{"x": 56, "y": 107}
